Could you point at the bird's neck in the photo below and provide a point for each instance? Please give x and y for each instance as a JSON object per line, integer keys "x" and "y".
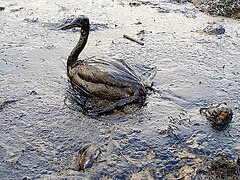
{"x": 73, "y": 57}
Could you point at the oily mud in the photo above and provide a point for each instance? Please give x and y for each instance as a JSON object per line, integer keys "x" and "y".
{"x": 167, "y": 138}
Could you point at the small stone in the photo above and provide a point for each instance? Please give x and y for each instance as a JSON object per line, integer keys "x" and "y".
{"x": 141, "y": 32}
{"x": 218, "y": 114}
{"x": 134, "y": 4}
{"x": 33, "y": 93}
{"x": 26, "y": 178}
{"x": 138, "y": 23}
{"x": 86, "y": 158}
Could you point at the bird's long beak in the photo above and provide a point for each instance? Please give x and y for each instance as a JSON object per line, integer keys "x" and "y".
{"x": 68, "y": 27}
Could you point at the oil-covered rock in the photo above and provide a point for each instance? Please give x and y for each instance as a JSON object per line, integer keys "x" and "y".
{"x": 86, "y": 158}
{"x": 218, "y": 114}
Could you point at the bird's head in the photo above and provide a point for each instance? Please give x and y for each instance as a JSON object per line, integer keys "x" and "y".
{"x": 82, "y": 22}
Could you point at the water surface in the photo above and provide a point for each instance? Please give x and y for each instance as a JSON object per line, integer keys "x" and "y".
{"x": 40, "y": 134}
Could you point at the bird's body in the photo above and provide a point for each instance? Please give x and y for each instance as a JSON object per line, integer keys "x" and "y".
{"x": 112, "y": 80}
{"x": 109, "y": 79}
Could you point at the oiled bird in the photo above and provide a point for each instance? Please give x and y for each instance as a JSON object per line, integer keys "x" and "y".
{"x": 109, "y": 79}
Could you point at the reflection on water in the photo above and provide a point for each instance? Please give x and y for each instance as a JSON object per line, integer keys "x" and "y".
{"x": 40, "y": 133}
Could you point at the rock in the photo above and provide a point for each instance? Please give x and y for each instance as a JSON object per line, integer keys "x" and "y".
{"x": 218, "y": 114}
{"x": 228, "y": 8}
{"x": 222, "y": 168}
{"x": 132, "y": 4}
{"x": 15, "y": 10}
{"x": 212, "y": 29}
{"x": 86, "y": 158}
{"x": 33, "y": 93}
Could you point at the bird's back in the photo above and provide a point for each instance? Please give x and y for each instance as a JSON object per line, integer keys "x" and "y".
{"x": 114, "y": 72}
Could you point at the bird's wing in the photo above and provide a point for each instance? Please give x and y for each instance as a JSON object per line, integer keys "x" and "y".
{"x": 114, "y": 72}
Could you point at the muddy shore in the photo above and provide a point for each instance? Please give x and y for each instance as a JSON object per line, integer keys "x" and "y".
{"x": 168, "y": 138}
